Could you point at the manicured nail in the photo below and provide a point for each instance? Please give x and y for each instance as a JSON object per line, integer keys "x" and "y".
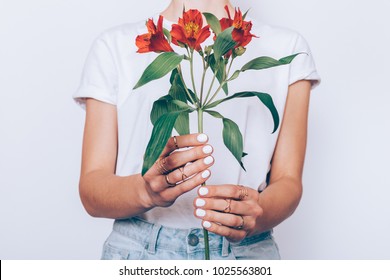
{"x": 200, "y": 213}
{"x": 208, "y": 160}
{"x": 205, "y": 174}
{"x": 200, "y": 202}
{"x": 203, "y": 191}
{"x": 202, "y": 138}
{"x": 207, "y": 149}
{"x": 206, "y": 224}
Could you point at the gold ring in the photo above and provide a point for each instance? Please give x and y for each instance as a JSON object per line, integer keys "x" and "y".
{"x": 243, "y": 192}
{"x": 175, "y": 141}
{"x": 183, "y": 175}
{"x": 168, "y": 182}
{"x": 242, "y": 223}
{"x": 228, "y": 207}
{"x": 160, "y": 166}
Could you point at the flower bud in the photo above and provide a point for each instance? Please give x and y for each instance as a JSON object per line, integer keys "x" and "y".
{"x": 239, "y": 51}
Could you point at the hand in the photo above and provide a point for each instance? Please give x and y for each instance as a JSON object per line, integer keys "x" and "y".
{"x": 177, "y": 172}
{"x": 228, "y": 210}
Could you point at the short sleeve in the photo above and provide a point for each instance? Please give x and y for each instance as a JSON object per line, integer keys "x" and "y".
{"x": 99, "y": 78}
{"x": 303, "y": 66}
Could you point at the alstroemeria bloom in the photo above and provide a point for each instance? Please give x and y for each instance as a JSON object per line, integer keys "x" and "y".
{"x": 154, "y": 40}
{"x": 190, "y": 30}
{"x": 241, "y": 32}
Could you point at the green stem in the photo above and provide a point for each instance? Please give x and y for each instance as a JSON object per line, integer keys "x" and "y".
{"x": 205, "y": 232}
{"x": 192, "y": 72}
{"x": 202, "y": 84}
{"x": 221, "y": 85}
{"x": 211, "y": 87}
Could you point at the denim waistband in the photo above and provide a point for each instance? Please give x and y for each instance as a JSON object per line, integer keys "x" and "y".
{"x": 154, "y": 236}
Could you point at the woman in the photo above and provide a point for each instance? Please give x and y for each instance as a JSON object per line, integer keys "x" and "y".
{"x": 160, "y": 215}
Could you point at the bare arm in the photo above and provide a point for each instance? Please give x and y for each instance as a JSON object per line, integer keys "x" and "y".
{"x": 105, "y": 194}
{"x": 280, "y": 199}
{"x": 261, "y": 212}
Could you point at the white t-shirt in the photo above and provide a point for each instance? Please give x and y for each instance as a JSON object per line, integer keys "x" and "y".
{"x": 113, "y": 68}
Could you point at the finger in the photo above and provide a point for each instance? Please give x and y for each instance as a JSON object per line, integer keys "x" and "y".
{"x": 188, "y": 185}
{"x": 231, "y": 234}
{"x": 229, "y": 220}
{"x": 227, "y": 205}
{"x": 179, "y": 159}
{"x": 228, "y": 191}
{"x": 189, "y": 170}
{"x": 184, "y": 141}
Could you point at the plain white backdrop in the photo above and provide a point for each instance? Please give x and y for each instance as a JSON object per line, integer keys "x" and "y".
{"x": 345, "y": 210}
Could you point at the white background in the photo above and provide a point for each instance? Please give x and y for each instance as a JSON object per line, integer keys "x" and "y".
{"x": 345, "y": 211}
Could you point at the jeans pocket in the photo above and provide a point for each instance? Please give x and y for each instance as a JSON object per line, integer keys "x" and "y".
{"x": 265, "y": 249}
{"x": 119, "y": 247}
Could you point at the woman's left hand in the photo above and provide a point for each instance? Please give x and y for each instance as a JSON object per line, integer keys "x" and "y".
{"x": 228, "y": 210}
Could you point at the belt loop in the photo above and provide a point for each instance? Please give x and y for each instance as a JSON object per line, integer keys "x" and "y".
{"x": 225, "y": 247}
{"x": 153, "y": 238}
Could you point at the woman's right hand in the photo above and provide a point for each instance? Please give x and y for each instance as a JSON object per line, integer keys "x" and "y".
{"x": 178, "y": 171}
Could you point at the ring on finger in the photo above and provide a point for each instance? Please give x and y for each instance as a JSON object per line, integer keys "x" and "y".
{"x": 160, "y": 166}
{"x": 183, "y": 175}
{"x": 168, "y": 182}
{"x": 241, "y": 226}
{"x": 228, "y": 207}
{"x": 175, "y": 141}
{"x": 243, "y": 192}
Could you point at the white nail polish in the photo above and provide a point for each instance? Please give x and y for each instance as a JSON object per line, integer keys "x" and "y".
{"x": 202, "y": 138}
{"x": 205, "y": 174}
{"x": 208, "y": 160}
{"x": 203, "y": 191}
{"x": 206, "y": 224}
{"x": 200, "y": 213}
{"x": 200, "y": 202}
{"x": 207, "y": 149}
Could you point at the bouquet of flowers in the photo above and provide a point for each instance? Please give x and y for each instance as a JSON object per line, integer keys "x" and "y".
{"x": 230, "y": 39}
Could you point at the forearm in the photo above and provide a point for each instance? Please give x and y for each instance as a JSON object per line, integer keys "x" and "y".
{"x": 106, "y": 195}
{"x": 278, "y": 201}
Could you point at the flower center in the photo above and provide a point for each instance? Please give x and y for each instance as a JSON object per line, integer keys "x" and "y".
{"x": 192, "y": 29}
{"x": 237, "y": 23}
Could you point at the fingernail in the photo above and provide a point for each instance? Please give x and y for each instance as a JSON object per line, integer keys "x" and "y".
{"x": 203, "y": 191}
{"x": 200, "y": 213}
{"x": 206, "y": 224}
{"x": 202, "y": 138}
{"x": 207, "y": 149}
{"x": 200, "y": 202}
{"x": 208, "y": 160}
{"x": 205, "y": 174}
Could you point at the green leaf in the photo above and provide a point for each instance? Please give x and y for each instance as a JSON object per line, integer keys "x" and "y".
{"x": 265, "y": 98}
{"x": 224, "y": 43}
{"x": 160, "y": 107}
{"x": 161, "y": 66}
{"x": 220, "y": 67}
{"x": 265, "y": 62}
{"x": 235, "y": 75}
{"x": 167, "y": 35}
{"x": 214, "y": 114}
{"x": 246, "y": 13}
{"x": 213, "y": 21}
{"x": 232, "y": 138}
{"x": 162, "y": 130}
{"x": 178, "y": 94}
{"x": 180, "y": 83}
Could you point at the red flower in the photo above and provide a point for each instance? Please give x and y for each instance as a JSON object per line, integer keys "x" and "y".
{"x": 189, "y": 31}
{"x": 241, "y": 32}
{"x": 154, "y": 40}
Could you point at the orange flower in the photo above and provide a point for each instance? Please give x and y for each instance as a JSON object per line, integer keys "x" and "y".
{"x": 189, "y": 31}
{"x": 154, "y": 40}
{"x": 241, "y": 32}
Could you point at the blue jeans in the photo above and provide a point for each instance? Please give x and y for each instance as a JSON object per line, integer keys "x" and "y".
{"x": 136, "y": 239}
